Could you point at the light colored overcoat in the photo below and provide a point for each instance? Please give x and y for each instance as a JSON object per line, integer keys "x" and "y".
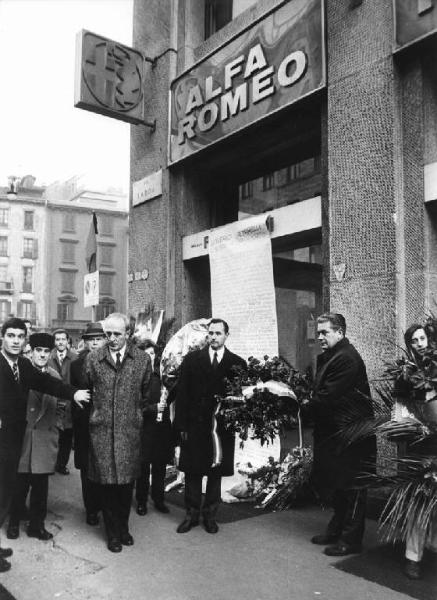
{"x": 40, "y": 443}
{"x": 116, "y": 416}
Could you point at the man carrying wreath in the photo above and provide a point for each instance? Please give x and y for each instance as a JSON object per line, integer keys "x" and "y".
{"x": 207, "y": 448}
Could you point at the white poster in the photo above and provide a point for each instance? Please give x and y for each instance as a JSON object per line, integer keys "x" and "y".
{"x": 242, "y": 287}
{"x": 91, "y": 289}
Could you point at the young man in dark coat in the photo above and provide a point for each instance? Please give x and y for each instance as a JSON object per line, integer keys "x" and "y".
{"x": 207, "y": 448}
{"x": 17, "y": 377}
{"x": 341, "y": 381}
{"x": 94, "y": 338}
{"x": 61, "y": 360}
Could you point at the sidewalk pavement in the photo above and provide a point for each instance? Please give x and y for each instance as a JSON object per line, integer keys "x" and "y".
{"x": 267, "y": 557}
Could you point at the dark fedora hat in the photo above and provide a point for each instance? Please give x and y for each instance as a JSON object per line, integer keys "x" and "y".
{"x": 93, "y": 330}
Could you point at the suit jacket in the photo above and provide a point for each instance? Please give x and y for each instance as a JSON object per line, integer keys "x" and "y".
{"x": 116, "y": 418}
{"x": 340, "y": 382}
{"x": 13, "y": 394}
{"x": 40, "y": 443}
{"x": 64, "y": 371}
{"x": 80, "y": 416}
{"x": 208, "y": 441}
{"x": 157, "y": 439}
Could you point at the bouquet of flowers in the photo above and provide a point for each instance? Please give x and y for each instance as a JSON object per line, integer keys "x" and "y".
{"x": 280, "y": 485}
{"x": 263, "y": 397}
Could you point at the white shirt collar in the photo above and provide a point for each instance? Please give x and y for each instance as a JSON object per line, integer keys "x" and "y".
{"x": 219, "y": 354}
{"x": 115, "y": 352}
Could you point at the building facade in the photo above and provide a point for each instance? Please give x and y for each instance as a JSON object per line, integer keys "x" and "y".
{"x": 22, "y": 258}
{"x": 69, "y": 217}
{"x": 322, "y": 115}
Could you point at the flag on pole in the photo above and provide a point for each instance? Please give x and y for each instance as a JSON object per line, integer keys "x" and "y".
{"x": 91, "y": 246}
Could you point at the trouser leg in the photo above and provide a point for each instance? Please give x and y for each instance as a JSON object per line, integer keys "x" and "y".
{"x": 90, "y": 494}
{"x": 339, "y": 504}
{"x": 142, "y": 484}
{"x": 354, "y": 517}
{"x": 39, "y": 490}
{"x": 158, "y": 479}
{"x": 213, "y": 495}
{"x": 11, "y": 438}
{"x": 20, "y": 491}
{"x": 65, "y": 445}
{"x": 125, "y": 493}
{"x": 193, "y": 495}
{"x": 109, "y": 496}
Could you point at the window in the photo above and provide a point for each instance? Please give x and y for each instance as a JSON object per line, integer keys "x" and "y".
{"x": 27, "y": 310}
{"x": 106, "y": 256}
{"x": 247, "y": 190}
{"x": 27, "y": 279}
{"x": 65, "y": 311}
{"x": 106, "y": 284}
{"x": 268, "y": 181}
{"x": 28, "y": 220}
{"x": 106, "y": 225}
{"x": 68, "y": 281}
{"x": 217, "y": 14}
{"x": 69, "y": 222}
{"x": 30, "y": 248}
{"x": 68, "y": 252}
{"x": 3, "y": 273}
{"x": 3, "y": 245}
{"x": 5, "y": 310}
{"x": 4, "y": 217}
{"x": 103, "y": 310}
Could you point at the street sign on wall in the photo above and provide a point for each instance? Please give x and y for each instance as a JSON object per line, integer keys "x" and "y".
{"x": 109, "y": 78}
{"x": 272, "y": 64}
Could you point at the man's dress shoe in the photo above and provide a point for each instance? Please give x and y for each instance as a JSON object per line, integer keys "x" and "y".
{"x": 13, "y": 532}
{"x": 341, "y": 549}
{"x": 210, "y": 525}
{"x": 92, "y": 519}
{"x": 127, "y": 539}
{"x": 324, "y": 539}
{"x": 114, "y": 545}
{"x": 412, "y": 569}
{"x": 142, "y": 509}
{"x": 5, "y": 552}
{"x": 41, "y": 534}
{"x": 4, "y": 565}
{"x": 186, "y": 525}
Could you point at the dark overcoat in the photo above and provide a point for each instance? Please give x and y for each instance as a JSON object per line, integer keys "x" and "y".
{"x": 118, "y": 400}
{"x": 196, "y": 409}
{"x": 64, "y": 371}
{"x": 80, "y": 416}
{"x": 157, "y": 440}
{"x": 340, "y": 380}
{"x": 40, "y": 444}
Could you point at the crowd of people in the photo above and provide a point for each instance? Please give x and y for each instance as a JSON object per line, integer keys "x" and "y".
{"x": 108, "y": 398}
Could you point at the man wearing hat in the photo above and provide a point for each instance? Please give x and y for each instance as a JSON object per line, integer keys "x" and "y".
{"x": 39, "y": 450}
{"x": 93, "y": 338}
{"x": 61, "y": 359}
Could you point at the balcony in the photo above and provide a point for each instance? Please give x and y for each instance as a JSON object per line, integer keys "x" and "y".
{"x": 6, "y": 287}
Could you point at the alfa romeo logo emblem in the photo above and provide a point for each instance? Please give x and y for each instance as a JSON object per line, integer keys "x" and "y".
{"x": 113, "y": 74}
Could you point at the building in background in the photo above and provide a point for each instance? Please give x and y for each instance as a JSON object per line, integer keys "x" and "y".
{"x": 23, "y": 228}
{"x": 43, "y": 233}
{"x": 69, "y": 214}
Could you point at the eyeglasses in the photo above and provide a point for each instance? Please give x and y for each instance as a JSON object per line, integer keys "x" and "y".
{"x": 113, "y": 333}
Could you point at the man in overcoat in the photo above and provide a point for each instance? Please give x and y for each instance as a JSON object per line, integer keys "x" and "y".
{"x": 119, "y": 375}
{"x": 340, "y": 382}
{"x": 207, "y": 448}
{"x": 17, "y": 377}
{"x": 94, "y": 338}
{"x": 61, "y": 360}
{"x": 40, "y": 448}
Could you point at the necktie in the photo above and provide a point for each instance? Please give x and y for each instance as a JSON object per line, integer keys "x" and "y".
{"x": 118, "y": 363}
{"x": 61, "y": 359}
{"x": 15, "y": 371}
{"x": 215, "y": 362}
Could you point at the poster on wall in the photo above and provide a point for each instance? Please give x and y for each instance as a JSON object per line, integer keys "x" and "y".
{"x": 242, "y": 286}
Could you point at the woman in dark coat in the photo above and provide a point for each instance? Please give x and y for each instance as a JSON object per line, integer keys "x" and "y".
{"x": 156, "y": 440}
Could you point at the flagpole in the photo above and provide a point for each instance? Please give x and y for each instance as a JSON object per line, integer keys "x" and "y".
{"x": 93, "y": 313}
